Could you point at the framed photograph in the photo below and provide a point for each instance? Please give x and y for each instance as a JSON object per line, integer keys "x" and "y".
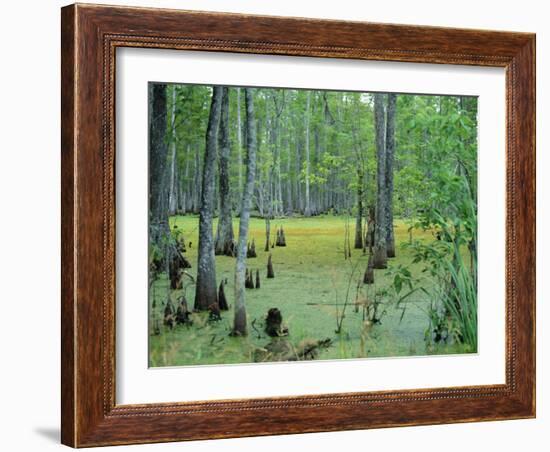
{"x": 281, "y": 225}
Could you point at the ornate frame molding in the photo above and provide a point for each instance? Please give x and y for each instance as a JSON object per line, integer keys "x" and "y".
{"x": 90, "y": 36}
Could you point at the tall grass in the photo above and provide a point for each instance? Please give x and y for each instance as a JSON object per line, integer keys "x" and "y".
{"x": 451, "y": 262}
{"x": 460, "y": 299}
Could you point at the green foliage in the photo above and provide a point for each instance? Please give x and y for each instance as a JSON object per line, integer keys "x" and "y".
{"x": 435, "y": 199}
{"x": 155, "y": 253}
{"x": 453, "y": 284}
{"x": 436, "y": 140}
{"x": 460, "y": 301}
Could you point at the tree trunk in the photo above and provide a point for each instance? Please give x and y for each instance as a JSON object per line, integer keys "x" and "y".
{"x": 275, "y": 173}
{"x": 184, "y": 198}
{"x": 239, "y": 145}
{"x": 172, "y": 185}
{"x": 390, "y": 152}
{"x": 197, "y": 181}
{"x": 270, "y": 136}
{"x": 307, "y": 208}
{"x": 368, "y": 277}
{"x": 299, "y": 204}
{"x": 158, "y": 196}
{"x": 360, "y": 172}
{"x": 224, "y": 236}
{"x": 369, "y": 235}
{"x": 316, "y": 204}
{"x": 178, "y": 189}
{"x": 206, "y": 293}
{"x": 239, "y": 323}
{"x": 267, "y": 233}
{"x": 380, "y": 231}
{"x": 289, "y": 205}
{"x": 359, "y": 218}
{"x": 278, "y": 193}
{"x": 172, "y": 198}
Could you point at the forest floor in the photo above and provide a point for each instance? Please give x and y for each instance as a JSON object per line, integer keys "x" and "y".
{"x": 310, "y": 285}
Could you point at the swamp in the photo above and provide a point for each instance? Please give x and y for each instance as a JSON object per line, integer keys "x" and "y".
{"x": 290, "y": 225}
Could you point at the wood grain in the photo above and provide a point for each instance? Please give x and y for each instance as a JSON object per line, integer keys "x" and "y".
{"x": 68, "y": 310}
{"x": 90, "y": 36}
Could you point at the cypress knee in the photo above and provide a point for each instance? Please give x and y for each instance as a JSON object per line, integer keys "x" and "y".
{"x": 270, "y": 272}
{"x": 222, "y": 300}
{"x": 214, "y": 312}
{"x": 174, "y": 275}
{"x": 257, "y": 279}
{"x": 253, "y": 249}
{"x": 273, "y": 322}
{"x": 249, "y": 282}
{"x": 229, "y": 249}
{"x": 169, "y": 314}
{"x": 182, "y": 313}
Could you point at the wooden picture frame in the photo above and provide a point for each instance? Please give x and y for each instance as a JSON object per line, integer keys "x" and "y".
{"x": 90, "y": 36}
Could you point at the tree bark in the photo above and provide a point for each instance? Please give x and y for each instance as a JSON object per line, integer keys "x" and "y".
{"x": 360, "y": 172}
{"x": 206, "y": 293}
{"x": 390, "y": 152}
{"x": 307, "y": 208}
{"x": 268, "y": 187}
{"x": 299, "y": 203}
{"x": 267, "y": 233}
{"x": 369, "y": 234}
{"x": 239, "y": 144}
{"x": 360, "y": 211}
{"x": 314, "y": 195}
{"x": 380, "y": 232}
{"x": 184, "y": 198}
{"x": 197, "y": 181}
{"x": 172, "y": 198}
{"x": 224, "y": 236}
{"x": 289, "y": 204}
{"x": 158, "y": 196}
{"x": 276, "y": 140}
{"x": 157, "y": 149}
{"x": 239, "y": 322}
{"x": 177, "y": 192}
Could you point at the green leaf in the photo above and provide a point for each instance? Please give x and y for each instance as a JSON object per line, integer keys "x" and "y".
{"x": 398, "y": 283}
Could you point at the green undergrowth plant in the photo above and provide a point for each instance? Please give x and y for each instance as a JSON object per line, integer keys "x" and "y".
{"x": 450, "y": 267}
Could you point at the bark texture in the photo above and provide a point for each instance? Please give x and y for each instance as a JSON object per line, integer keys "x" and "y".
{"x": 239, "y": 322}
{"x": 380, "y": 232}
{"x": 206, "y": 293}
{"x": 307, "y": 208}
{"x": 359, "y": 216}
{"x": 224, "y": 236}
{"x": 158, "y": 151}
{"x": 173, "y": 194}
{"x": 390, "y": 152}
